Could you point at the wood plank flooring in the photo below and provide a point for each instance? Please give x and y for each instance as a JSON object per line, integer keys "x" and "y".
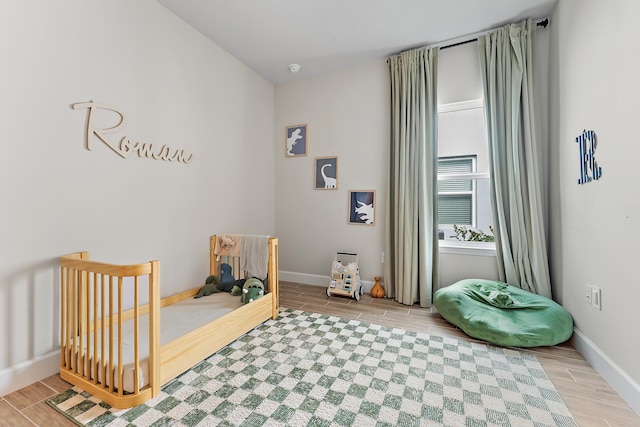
{"x": 590, "y": 399}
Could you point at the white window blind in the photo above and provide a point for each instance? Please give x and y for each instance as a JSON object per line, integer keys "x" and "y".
{"x": 455, "y": 194}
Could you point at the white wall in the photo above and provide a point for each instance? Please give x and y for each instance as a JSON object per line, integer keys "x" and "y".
{"x": 347, "y": 116}
{"x": 347, "y": 113}
{"x": 459, "y": 74}
{"x": 594, "y": 226}
{"x": 175, "y": 87}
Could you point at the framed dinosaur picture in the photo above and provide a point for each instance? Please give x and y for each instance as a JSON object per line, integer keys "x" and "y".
{"x": 362, "y": 207}
{"x": 296, "y": 141}
{"x": 326, "y": 173}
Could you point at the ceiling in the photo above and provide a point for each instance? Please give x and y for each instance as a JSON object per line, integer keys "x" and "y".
{"x": 327, "y": 35}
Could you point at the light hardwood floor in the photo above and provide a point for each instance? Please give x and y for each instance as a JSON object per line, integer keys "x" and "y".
{"x": 589, "y": 398}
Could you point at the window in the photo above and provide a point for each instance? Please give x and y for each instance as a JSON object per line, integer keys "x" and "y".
{"x": 456, "y": 196}
{"x": 464, "y": 203}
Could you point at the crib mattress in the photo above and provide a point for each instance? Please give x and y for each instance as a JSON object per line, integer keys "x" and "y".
{"x": 176, "y": 320}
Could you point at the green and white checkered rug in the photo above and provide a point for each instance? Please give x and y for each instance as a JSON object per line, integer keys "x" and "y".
{"x": 307, "y": 369}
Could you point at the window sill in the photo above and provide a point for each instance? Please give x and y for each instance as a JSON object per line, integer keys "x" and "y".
{"x": 468, "y": 248}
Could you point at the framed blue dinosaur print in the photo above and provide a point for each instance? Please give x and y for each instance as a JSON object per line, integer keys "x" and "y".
{"x": 296, "y": 141}
{"x": 326, "y": 173}
{"x": 362, "y": 207}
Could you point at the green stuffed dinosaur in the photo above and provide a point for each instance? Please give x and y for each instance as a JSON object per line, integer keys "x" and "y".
{"x": 252, "y": 290}
{"x": 209, "y": 287}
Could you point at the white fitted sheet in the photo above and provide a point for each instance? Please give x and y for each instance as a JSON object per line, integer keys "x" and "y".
{"x": 176, "y": 320}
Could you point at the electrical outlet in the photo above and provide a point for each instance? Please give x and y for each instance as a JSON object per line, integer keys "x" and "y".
{"x": 589, "y": 294}
{"x": 596, "y": 297}
{"x": 382, "y": 257}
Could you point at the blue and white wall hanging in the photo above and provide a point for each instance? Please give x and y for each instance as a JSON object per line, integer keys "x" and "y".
{"x": 589, "y": 168}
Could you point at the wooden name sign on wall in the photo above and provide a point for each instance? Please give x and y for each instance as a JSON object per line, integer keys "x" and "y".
{"x": 125, "y": 145}
{"x": 588, "y": 143}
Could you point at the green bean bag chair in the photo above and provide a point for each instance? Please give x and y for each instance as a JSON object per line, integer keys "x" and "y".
{"x": 503, "y": 314}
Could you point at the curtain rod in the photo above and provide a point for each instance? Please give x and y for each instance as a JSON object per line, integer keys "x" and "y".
{"x": 472, "y": 38}
{"x": 544, "y": 23}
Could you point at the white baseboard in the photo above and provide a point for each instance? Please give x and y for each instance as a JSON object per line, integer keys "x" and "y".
{"x": 29, "y": 372}
{"x": 622, "y": 383}
{"x": 316, "y": 280}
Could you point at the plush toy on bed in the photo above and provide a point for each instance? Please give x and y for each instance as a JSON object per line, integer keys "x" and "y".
{"x": 210, "y": 287}
{"x": 227, "y": 273}
{"x": 226, "y": 278}
{"x": 252, "y": 290}
{"x": 237, "y": 287}
{"x": 226, "y": 242}
{"x": 226, "y": 283}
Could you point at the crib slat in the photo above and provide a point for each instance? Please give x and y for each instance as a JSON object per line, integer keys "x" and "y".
{"x": 120, "y": 358}
{"x": 154, "y": 328}
{"x": 70, "y": 309}
{"x": 74, "y": 319}
{"x": 136, "y": 329}
{"x": 103, "y": 331}
{"x": 84, "y": 318}
{"x": 93, "y": 371}
{"x": 273, "y": 285}
{"x": 72, "y": 316}
{"x": 110, "y": 373}
{"x": 63, "y": 316}
{"x": 81, "y": 337}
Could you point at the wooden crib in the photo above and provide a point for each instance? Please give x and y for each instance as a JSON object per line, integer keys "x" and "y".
{"x": 111, "y": 332}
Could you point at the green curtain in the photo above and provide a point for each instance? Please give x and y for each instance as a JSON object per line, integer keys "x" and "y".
{"x": 507, "y": 67}
{"x": 411, "y": 223}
